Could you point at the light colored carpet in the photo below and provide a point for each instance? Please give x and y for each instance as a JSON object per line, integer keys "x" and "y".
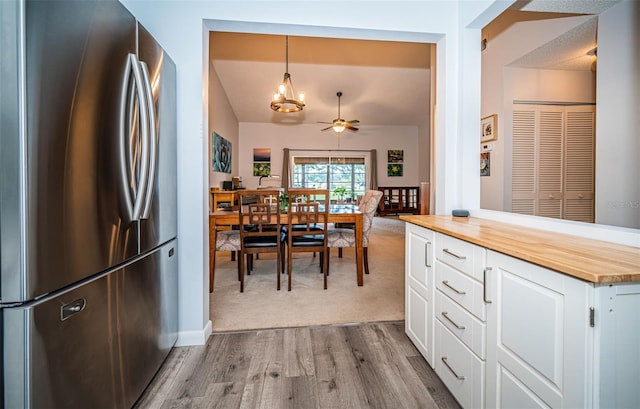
{"x": 262, "y": 306}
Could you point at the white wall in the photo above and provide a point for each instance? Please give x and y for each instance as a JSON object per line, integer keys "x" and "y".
{"x": 277, "y": 137}
{"x": 223, "y": 121}
{"x": 618, "y": 116}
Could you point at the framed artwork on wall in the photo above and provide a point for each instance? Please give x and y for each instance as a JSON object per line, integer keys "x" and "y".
{"x": 485, "y": 164}
{"x": 394, "y": 169}
{"x": 261, "y": 161}
{"x": 395, "y": 156}
{"x": 489, "y": 128}
{"x": 221, "y": 154}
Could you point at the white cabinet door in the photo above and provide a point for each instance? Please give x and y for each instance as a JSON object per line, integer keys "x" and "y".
{"x": 419, "y": 288}
{"x": 539, "y": 352}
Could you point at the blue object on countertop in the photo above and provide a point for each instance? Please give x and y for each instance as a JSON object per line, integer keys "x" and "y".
{"x": 460, "y": 213}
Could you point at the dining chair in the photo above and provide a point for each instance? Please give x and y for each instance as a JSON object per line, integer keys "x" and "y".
{"x": 306, "y": 229}
{"x": 345, "y": 236}
{"x": 226, "y": 240}
{"x": 260, "y": 230}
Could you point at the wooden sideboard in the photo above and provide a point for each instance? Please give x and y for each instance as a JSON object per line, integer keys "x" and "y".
{"x": 220, "y": 197}
{"x": 399, "y": 199}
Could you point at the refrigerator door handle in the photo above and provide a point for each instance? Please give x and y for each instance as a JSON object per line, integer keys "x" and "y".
{"x": 153, "y": 142}
{"x": 126, "y": 106}
{"x": 134, "y": 152}
{"x": 144, "y": 140}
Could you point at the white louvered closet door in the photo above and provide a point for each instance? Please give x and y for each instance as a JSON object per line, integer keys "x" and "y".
{"x": 579, "y": 157}
{"x": 523, "y": 159}
{"x": 552, "y": 161}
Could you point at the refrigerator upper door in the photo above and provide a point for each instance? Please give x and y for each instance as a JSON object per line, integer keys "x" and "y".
{"x": 69, "y": 196}
{"x": 158, "y": 223}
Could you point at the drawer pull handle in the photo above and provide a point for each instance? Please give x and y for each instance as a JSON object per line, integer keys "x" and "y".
{"x": 484, "y": 290}
{"x": 444, "y": 314}
{"x": 427, "y": 253}
{"x": 454, "y": 254}
{"x": 444, "y": 360}
{"x": 445, "y": 282}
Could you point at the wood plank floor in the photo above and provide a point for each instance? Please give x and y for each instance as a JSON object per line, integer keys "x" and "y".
{"x": 351, "y": 366}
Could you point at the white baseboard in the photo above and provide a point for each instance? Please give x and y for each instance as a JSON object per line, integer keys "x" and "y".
{"x": 190, "y": 338}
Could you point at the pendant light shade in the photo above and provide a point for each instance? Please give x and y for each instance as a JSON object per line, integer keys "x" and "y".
{"x": 284, "y": 99}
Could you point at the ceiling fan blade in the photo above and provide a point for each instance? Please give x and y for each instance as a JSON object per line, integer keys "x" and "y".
{"x": 322, "y": 122}
{"x": 351, "y": 128}
{"x": 354, "y": 121}
{"x": 327, "y": 128}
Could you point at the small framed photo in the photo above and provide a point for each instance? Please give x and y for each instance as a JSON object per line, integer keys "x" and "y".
{"x": 485, "y": 164}
{"x": 394, "y": 169}
{"x": 489, "y": 128}
{"x": 395, "y": 155}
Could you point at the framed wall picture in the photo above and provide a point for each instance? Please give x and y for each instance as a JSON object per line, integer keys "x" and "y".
{"x": 261, "y": 161}
{"x": 221, "y": 155}
{"x": 489, "y": 128}
{"x": 394, "y": 169}
{"x": 395, "y": 156}
{"x": 485, "y": 164}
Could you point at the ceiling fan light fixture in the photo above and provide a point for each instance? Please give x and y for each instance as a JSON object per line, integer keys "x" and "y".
{"x": 284, "y": 98}
{"x": 339, "y": 126}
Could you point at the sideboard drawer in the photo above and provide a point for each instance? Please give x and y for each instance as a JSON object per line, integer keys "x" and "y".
{"x": 464, "y": 256}
{"x": 462, "y": 324}
{"x": 460, "y": 370}
{"x": 462, "y": 289}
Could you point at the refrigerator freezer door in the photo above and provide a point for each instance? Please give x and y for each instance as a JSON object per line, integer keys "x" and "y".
{"x": 65, "y": 188}
{"x": 159, "y": 220}
{"x": 57, "y": 353}
{"x": 97, "y": 345}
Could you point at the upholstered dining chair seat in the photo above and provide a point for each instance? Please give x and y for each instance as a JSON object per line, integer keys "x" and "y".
{"x": 261, "y": 241}
{"x": 341, "y": 237}
{"x": 228, "y": 240}
{"x": 308, "y": 240}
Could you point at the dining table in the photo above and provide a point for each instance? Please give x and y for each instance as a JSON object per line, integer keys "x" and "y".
{"x": 338, "y": 213}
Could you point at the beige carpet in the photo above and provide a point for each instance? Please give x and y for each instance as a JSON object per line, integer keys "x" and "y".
{"x": 262, "y": 306}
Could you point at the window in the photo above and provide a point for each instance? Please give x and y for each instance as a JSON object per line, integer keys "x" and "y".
{"x": 326, "y": 172}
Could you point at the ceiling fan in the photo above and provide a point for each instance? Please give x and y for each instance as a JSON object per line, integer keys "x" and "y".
{"x": 339, "y": 125}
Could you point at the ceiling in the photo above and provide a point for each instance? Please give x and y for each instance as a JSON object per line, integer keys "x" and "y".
{"x": 383, "y": 82}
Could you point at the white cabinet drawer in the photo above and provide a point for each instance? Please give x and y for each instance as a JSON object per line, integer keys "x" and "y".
{"x": 459, "y": 368}
{"x": 462, "y": 289}
{"x": 465, "y": 326}
{"x": 464, "y": 256}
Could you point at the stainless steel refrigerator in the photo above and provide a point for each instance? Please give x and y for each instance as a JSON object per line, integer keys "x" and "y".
{"x": 88, "y": 223}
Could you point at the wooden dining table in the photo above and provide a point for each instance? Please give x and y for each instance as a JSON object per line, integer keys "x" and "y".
{"x": 338, "y": 213}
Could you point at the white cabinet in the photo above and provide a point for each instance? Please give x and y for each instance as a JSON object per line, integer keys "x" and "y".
{"x": 515, "y": 334}
{"x": 556, "y": 341}
{"x": 419, "y": 288}
{"x": 460, "y": 328}
{"x": 538, "y": 331}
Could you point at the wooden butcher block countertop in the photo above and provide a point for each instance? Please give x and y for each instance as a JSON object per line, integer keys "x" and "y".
{"x": 590, "y": 260}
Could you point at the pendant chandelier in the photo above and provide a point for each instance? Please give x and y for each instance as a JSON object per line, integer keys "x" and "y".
{"x": 284, "y": 98}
